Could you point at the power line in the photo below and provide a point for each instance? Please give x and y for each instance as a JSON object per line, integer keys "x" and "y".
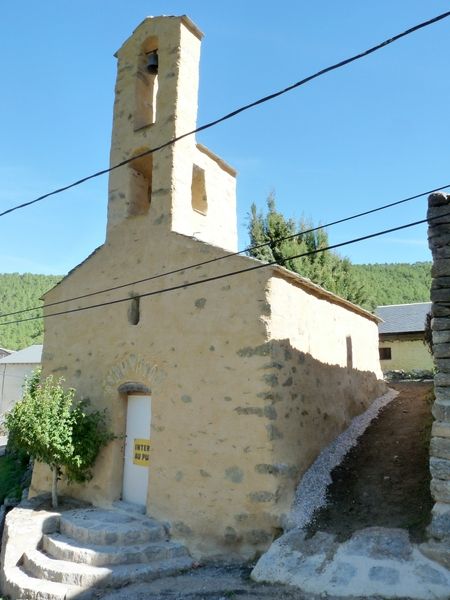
{"x": 230, "y": 255}
{"x": 236, "y": 112}
{"x": 231, "y": 273}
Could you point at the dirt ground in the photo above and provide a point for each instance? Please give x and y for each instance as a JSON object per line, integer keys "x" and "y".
{"x": 384, "y": 480}
{"x": 216, "y": 583}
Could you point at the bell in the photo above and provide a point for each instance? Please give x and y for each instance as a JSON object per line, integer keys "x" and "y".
{"x": 152, "y": 62}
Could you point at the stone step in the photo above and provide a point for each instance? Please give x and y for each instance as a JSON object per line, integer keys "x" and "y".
{"x": 129, "y": 507}
{"x": 109, "y": 527}
{"x": 42, "y": 567}
{"x": 18, "y": 584}
{"x": 62, "y": 547}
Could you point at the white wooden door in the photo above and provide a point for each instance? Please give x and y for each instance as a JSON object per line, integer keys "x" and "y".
{"x": 137, "y": 449}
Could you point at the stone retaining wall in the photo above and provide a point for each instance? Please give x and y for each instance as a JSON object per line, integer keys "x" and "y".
{"x": 438, "y": 546}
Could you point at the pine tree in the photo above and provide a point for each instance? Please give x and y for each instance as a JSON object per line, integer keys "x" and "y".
{"x": 325, "y": 268}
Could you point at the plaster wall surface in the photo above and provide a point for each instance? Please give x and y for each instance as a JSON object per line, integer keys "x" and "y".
{"x": 321, "y": 327}
{"x": 406, "y": 355}
{"x": 220, "y": 182}
{"x": 170, "y": 169}
{"x": 326, "y": 371}
{"x": 188, "y": 349}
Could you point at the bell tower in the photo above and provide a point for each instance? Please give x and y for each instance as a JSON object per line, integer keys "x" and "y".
{"x": 184, "y": 187}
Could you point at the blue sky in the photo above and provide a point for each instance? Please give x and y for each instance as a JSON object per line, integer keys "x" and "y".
{"x": 368, "y": 134}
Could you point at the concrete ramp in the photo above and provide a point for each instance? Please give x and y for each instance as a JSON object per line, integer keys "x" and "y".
{"x": 374, "y": 562}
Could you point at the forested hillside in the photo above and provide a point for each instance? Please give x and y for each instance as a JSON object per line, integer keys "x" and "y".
{"x": 18, "y": 291}
{"x": 395, "y": 283}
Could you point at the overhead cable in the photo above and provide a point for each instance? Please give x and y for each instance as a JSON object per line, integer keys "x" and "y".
{"x": 238, "y": 111}
{"x": 189, "y": 284}
{"x": 229, "y": 255}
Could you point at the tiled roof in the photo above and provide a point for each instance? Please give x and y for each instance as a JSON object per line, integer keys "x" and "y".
{"x": 403, "y": 318}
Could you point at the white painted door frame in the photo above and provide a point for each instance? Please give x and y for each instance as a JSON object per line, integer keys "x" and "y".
{"x": 137, "y": 453}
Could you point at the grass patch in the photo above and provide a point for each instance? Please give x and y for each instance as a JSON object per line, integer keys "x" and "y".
{"x": 12, "y": 470}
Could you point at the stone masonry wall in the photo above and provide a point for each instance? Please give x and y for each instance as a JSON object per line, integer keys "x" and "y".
{"x": 438, "y": 546}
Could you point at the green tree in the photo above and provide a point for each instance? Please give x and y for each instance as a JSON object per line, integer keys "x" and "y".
{"x": 326, "y": 268}
{"x": 51, "y": 429}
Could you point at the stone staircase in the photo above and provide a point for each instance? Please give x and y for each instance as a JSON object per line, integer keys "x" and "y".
{"x": 84, "y": 550}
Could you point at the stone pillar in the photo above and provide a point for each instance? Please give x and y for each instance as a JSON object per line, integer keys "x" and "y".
{"x": 438, "y": 546}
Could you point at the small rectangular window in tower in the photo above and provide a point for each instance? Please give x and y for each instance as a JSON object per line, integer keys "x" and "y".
{"x": 140, "y": 186}
{"x": 385, "y": 353}
{"x": 134, "y": 310}
{"x": 146, "y": 90}
{"x": 198, "y": 190}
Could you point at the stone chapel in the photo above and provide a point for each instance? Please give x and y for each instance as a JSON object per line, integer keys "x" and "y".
{"x": 222, "y": 392}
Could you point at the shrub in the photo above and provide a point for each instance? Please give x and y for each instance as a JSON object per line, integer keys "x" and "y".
{"x": 51, "y": 429}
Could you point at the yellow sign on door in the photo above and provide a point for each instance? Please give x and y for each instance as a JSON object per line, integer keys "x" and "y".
{"x": 141, "y": 453}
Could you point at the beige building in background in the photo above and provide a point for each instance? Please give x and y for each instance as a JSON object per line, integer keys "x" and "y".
{"x": 401, "y": 332}
{"x": 226, "y": 379}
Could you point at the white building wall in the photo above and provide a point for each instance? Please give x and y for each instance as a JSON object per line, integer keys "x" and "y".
{"x": 12, "y": 379}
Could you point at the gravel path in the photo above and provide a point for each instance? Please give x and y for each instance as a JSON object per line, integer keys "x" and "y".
{"x": 312, "y": 491}
{"x": 384, "y": 480}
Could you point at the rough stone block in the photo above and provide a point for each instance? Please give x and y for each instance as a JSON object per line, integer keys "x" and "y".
{"x": 440, "y": 229}
{"x": 439, "y": 214}
{"x": 386, "y": 575}
{"x": 440, "y": 429}
{"x": 440, "y": 448}
{"x": 442, "y": 380}
{"x": 343, "y": 574}
{"x": 441, "y": 252}
{"x": 440, "y": 295}
{"x": 440, "y": 522}
{"x": 441, "y": 407}
{"x": 440, "y": 282}
{"x": 379, "y": 543}
{"x": 441, "y": 268}
{"x": 440, "y": 490}
{"x": 440, "y": 309}
{"x": 443, "y": 364}
{"x": 428, "y": 574}
{"x": 440, "y": 468}
{"x": 320, "y": 543}
{"x": 438, "y": 233}
{"x": 293, "y": 557}
{"x": 437, "y": 242}
{"x": 441, "y": 350}
{"x": 442, "y": 394}
{"x": 439, "y": 324}
{"x": 438, "y": 199}
{"x": 437, "y": 551}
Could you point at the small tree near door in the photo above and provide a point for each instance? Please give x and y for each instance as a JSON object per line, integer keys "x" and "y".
{"x": 51, "y": 429}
